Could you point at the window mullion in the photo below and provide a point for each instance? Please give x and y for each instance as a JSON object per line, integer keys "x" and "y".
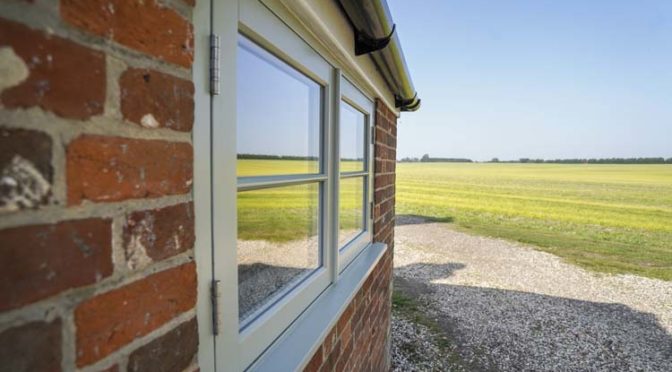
{"x": 334, "y": 169}
{"x": 265, "y": 182}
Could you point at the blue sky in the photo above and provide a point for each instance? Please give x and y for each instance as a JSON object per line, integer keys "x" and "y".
{"x": 537, "y": 78}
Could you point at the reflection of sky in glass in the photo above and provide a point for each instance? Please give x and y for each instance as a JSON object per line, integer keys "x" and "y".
{"x": 352, "y": 134}
{"x": 278, "y": 108}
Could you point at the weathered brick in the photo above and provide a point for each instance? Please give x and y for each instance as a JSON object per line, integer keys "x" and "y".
{"x": 143, "y": 25}
{"x": 105, "y": 169}
{"x": 31, "y": 347}
{"x": 159, "y": 233}
{"x": 157, "y": 100}
{"x": 173, "y": 351}
{"x": 25, "y": 169}
{"x": 50, "y": 72}
{"x": 40, "y": 261}
{"x": 113, "y": 319}
{"x": 113, "y": 368}
{"x": 315, "y": 362}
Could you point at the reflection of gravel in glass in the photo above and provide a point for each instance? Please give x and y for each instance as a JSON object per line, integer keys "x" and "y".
{"x": 266, "y": 268}
{"x": 346, "y": 235}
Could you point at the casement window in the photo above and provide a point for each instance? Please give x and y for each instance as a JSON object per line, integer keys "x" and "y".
{"x": 304, "y": 181}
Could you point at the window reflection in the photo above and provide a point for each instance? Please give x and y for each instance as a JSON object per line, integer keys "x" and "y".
{"x": 278, "y": 242}
{"x": 350, "y": 209}
{"x": 352, "y": 138}
{"x": 278, "y": 115}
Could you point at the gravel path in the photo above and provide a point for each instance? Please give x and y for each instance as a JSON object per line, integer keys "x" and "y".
{"x": 511, "y": 308}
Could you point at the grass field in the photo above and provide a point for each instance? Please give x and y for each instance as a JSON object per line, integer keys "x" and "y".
{"x": 609, "y": 218}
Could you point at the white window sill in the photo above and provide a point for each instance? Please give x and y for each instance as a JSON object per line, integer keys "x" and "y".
{"x": 294, "y": 348}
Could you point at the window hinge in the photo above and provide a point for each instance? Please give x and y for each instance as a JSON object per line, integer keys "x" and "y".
{"x": 214, "y": 297}
{"x": 373, "y": 135}
{"x": 214, "y": 64}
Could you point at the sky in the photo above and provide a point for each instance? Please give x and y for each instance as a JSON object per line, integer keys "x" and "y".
{"x": 537, "y": 78}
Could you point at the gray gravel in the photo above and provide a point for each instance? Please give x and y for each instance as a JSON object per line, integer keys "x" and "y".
{"x": 414, "y": 348}
{"x": 511, "y": 308}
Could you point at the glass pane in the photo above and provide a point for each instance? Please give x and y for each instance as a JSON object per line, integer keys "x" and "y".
{"x": 278, "y": 241}
{"x": 350, "y": 209}
{"x": 278, "y": 113}
{"x": 352, "y": 138}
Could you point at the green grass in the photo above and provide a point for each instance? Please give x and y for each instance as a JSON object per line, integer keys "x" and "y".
{"x": 607, "y": 218}
{"x": 289, "y": 213}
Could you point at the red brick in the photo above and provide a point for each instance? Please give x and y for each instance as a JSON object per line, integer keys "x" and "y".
{"x": 315, "y": 362}
{"x": 113, "y": 319}
{"x": 162, "y": 233}
{"x": 114, "y": 368}
{"x": 40, "y": 261}
{"x": 31, "y": 347}
{"x": 25, "y": 168}
{"x": 143, "y": 25}
{"x": 330, "y": 340}
{"x": 173, "y": 351}
{"x": 105, "y": 169}
{"x": 345, "y": 317}
{"x": 64, "y": 78}
{"x": 156, "y": 100}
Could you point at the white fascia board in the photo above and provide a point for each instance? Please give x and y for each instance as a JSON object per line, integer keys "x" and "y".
{"x": 325, "y": 27}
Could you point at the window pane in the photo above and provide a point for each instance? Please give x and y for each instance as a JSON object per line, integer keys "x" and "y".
{"x": 352, "y": 139}
{"x": 278, "y": 113}
{"x": 350, "y": 209}
{"x": 278, "y": 241}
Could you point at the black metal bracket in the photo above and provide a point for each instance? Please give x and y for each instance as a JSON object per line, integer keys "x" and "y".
{"x": 365, "y": 44}
{"x": 406, "y": 104}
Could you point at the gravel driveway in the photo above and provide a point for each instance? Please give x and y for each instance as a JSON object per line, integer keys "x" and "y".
{"x": 508, "y": 307}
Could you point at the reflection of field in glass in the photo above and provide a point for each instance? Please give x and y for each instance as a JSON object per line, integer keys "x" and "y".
{"x": 278, "y": 214}
{"x": 351, "y": 166}
{"x": 278, "y": 232}
{"x": 351, "y": 209}
{"x": 273, "y": 167}
{"x": 611, "y": 218}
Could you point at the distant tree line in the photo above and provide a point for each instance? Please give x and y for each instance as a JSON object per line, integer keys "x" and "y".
{"x": 285, "y": 157}
{"x": 426, "y": 159}
{"x": 589, "y": 161}
{"x": 275, "y": 157}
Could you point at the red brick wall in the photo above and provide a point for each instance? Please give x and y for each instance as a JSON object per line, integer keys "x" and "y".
{"x": 360, "y": 341}
{"x": 96, "y": 213}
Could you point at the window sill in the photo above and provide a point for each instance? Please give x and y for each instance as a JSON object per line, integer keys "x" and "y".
{"x": 293, "y": 350}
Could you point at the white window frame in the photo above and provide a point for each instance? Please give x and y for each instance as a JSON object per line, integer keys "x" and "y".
{"x": 261, "y": 27}
{"x": 352, "y": 96}
{"x": 233, "y": 349}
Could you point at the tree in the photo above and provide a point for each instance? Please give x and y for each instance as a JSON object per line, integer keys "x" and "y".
{"x": 425, "y": 158}
{"x": 494, "y": 160}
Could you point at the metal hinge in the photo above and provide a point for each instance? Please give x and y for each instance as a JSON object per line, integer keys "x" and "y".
{"x": 373, "y": 135}
{"x": 214, "y": 297}
{"x": 214, "y": 64}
